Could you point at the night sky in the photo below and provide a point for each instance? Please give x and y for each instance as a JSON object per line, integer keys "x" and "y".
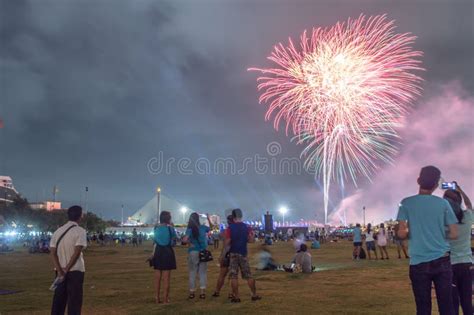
{"x": 92, "y": 91}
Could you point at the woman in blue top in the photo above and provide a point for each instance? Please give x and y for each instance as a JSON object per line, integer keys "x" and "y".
{"x": 163, "y": 259}
{"x": 196, "y": 237}
{"x": 461, "y": 254}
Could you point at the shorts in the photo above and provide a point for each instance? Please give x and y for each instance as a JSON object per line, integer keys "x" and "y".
{"x": 164, "y": 258}
{"x": 370, "y": 245}
{"x": 237, "y": 262}
{"x": 398, "y": 242}
{"x": 357, "y": 244}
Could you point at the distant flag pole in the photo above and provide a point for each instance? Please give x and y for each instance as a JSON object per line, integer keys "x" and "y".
{"x": 55, "y": 192}
{"x": 87, "y": 190}
{"x": 122, "y": 215}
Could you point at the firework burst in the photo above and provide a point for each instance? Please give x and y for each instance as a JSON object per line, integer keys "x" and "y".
{"x": 343, "y": 91}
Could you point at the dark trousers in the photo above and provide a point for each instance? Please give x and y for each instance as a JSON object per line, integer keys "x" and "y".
{"x": 440, "y": 273}
{"x": 69, "y": 292}
{"x": 462, "y": 288}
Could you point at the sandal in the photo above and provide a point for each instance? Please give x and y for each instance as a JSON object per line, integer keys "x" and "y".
{"x": 191, "y": 296}
{"x": 202, "y": 296}
{"x": 230, "y": 296}
{"x": 216, "y": 294}
{"x": 256, "y": 298}
{"x": 235, "y": 300}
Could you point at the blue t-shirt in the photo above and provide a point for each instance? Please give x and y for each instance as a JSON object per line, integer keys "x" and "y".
{"x": 200, "y": 243}
{"x": 162, "y": 235}
{"x": 428, "y": 217}
{"x": 461, "y": 247}
{"x": 239, "y": 236}
{"x": 357, "y": 235}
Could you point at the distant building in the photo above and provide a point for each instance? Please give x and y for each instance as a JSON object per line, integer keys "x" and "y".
{"x": 8, "y": 192}
{"x": 46, "y": 205}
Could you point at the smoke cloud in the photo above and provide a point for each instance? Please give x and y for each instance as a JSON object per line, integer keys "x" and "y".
{"x": 438, "y": 133}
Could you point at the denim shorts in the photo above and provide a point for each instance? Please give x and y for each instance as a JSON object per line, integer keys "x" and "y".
{"x": 370, "y": 245}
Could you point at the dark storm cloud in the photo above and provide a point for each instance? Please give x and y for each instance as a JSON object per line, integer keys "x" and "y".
{"x": 90, "y": 90}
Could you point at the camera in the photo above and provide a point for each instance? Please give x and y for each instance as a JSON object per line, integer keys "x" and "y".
{"x": 448, "y": 185}
{"x": 150, "y": 262}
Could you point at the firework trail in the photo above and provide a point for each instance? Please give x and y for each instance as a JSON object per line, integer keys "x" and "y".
{"x": 343, "y": 91}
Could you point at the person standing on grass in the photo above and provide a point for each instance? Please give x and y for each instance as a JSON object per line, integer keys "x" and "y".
{"x": 163, "y": 259}
{"x": 423, "y": 218}
{"x": 237, "y": 237}
{"x": 134, "y": 237}
{"x": 224, "y": 261}
{"x": 357, "y": 240}
{"x": 461, "y": 253}
{"x": 196, "y": 237}
{"x": 401, "y": 245}
{"x": 382, "y": 236}
{"x": 370, "y": 241}
{"x": 66, "y": 246}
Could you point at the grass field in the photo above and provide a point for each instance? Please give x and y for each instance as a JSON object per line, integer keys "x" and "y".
{"x": 118, "y": 281}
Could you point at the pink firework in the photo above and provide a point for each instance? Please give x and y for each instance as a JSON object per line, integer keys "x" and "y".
{"x": 343, "y": 92}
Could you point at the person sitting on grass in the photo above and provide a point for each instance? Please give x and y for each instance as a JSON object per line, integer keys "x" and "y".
{"x": 357, "y": 239}
{"x": 302, "y": 262}
{"x": 266, "y": 261}
{"x": 370, "y": 241}
{"x": 382, "y": 241}
{"x": 237, "y": 237}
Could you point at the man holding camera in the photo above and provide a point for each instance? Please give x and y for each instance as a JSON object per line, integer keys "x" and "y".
{"x": 424, "y": 218}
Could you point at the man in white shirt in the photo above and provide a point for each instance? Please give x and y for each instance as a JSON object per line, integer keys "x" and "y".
{"x": 66, "y": 246}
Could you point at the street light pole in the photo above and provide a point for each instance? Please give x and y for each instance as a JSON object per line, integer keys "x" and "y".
{"x": 87, "y": 190}
{"x": 363, "y": 209}
{"x": 183, "y": 211}
{"x": 122, "y": 215}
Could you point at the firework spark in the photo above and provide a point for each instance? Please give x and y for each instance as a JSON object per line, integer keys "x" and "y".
{"x": 343, "y": 92}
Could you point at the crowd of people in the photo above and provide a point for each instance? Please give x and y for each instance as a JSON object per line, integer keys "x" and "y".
{"x": 438, "y": 231}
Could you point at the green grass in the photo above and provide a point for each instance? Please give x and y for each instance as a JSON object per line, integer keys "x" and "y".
{"x": 118, "y": 281}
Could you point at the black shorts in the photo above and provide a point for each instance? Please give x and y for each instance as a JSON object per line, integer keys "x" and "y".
{"x": 357, "y": 244}
{"x": 164, "y": 258}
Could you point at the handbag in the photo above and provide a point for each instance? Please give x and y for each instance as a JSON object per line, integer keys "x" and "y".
{"x": 205, "y": 256}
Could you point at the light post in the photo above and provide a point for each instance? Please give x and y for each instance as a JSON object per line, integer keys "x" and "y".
{"x": 283, "y": 211}
{"x": 363, "y": 209}
{"x": 183, "y": 211}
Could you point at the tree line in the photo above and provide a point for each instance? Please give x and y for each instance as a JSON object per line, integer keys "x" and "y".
{"x": 19, "y": 213}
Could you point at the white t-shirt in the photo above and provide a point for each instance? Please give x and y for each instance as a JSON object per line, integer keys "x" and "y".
{"x": 382, "y": 238}
{"x": 76, "y": 236}
{"x": 369, "y": 236}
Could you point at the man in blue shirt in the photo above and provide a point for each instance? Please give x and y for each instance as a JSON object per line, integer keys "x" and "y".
{"x": 424, "y": 219}
{"x": 237, "y": 236}
{"x": 357, "y": 239}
